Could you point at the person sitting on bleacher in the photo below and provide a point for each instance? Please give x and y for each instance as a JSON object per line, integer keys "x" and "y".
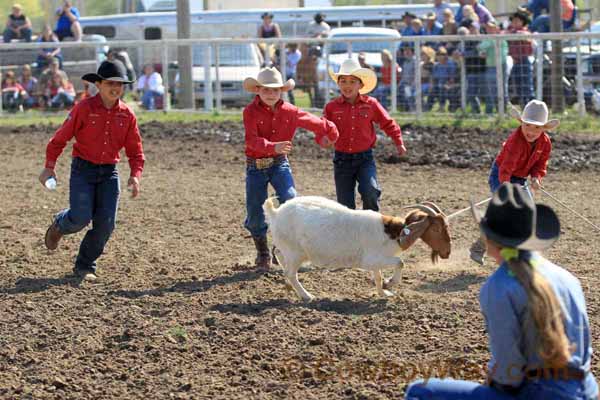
{"x": 12, "y": 93}
{"x": 18, "y": 25}
{"x": 46, "y": 77}
{"x": 150, "y": 86}
{"x": 67, "y": 22}
{"x": 48, "y": 53}
{"x": 60, "y": 92}
{"x": 30, "y": 84}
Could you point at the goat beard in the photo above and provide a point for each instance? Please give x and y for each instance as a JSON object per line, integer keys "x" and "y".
{"x": 435, "y": 256}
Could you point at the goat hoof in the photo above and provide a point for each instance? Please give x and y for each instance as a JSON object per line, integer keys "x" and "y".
{"x": 388, "y": 283}
{"x": 308, "y": 298}
{"x": 386, "y": 293}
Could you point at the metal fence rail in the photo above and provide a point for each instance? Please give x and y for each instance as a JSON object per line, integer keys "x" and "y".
{"x": 481, "y": 76}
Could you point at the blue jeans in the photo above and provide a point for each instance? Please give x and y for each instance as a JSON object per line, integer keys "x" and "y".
{"x": 62, "y": 100}
{"x": 450, "y": 389}
{"x": 257, "y": 181}
{"x": 94, "y": 196}
{"x": 522, "y": 77}
{"x": 491, "y": 88}
{"x": 494, "y": 180}
{"x": 475, "y": 87}
{"x": 350, "y": 168}
{"x": 148, "y": 99}
{"x": 10, "y": 35}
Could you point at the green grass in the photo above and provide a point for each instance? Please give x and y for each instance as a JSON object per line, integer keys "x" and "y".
{"x": 570, "y": 121}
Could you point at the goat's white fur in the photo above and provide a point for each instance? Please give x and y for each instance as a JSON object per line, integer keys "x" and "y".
{"x": 328, "y": 234}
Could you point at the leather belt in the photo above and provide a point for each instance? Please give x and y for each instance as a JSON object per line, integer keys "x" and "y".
{"x": 563, "y": 374}
{"x": 264, "y": 163}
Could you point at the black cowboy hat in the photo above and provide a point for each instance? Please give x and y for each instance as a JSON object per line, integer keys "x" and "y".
{"x": 408, "y": 14}
{"x": 108, "y": 71}
{"x": 267, "y": 14}
{"x": 523, "y": 15}
{"x": 512, "y": 219}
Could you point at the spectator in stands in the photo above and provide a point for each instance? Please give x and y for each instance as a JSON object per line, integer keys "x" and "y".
{"x": 67, "y": 22}
{"x": 268, "y": 29}
{"x": 292, "y": 58}
{"x": 150, "y": 86}
{"x": 18, "y": 26}
{"x": 30, "y": 84}
{"x": 13, "y": 93}
{"x": 449, "y": 25}
{"x": 521, "y": 51}
{"x": 407, "y": 19}
{"x": 459, "y": 15}
{"x": 482, "y": 12}
{"x": 487, "y": 49}
{"x": 46, "y": 77}
{"x": 121, "y": 56}
{"x": 469, "y": 13}
{"x": 362, "y": 60}
{"x": 383, "y": 91}
{"x": 432, "y": 28}
{"x": 46, "y": 54}
{"x": 474, "y": 68}
{"x": 318, "y": 28}
{"x": 427, "y": 63}
{"x": 440, "y": 7}
{"x": 407, "y": 81}
{"x": 444, "y": 82}
{"x": 541, "y": 15}
{"x": 60, "y": 92}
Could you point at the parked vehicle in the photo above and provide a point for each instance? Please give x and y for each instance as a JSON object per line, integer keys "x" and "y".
{"x": 236, "y": 62}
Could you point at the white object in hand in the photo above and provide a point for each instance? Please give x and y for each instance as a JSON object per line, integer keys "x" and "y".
{"x": 50, "y": 183}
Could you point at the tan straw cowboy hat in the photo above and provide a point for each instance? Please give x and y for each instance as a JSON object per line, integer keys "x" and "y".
{"x": 268, "y": 77}
{"x": 535, "y": 113}
{"x": 351, "y": 67}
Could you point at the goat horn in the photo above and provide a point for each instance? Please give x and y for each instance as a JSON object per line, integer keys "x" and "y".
{"x": 434, "y": 206}
{"x": 424, "y": 208}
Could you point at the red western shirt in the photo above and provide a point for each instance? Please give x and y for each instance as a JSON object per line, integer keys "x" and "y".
{"x": 265, "y": 126}
{"x": 355, "y": 123}
{"x": 100, "y": 134}
{"x": 519, "y": 158}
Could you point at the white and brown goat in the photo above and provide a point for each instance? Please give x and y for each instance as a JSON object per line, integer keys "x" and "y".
{"x": 329, "y": 234}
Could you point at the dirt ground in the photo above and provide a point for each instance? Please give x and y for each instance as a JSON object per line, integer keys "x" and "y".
{"x": 179, "y": 312}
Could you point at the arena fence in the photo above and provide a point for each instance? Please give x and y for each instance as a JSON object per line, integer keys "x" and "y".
{"x": 473, "y": 74}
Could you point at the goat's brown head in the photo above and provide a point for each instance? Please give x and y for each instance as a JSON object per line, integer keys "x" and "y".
{"x": 431, "y": 224}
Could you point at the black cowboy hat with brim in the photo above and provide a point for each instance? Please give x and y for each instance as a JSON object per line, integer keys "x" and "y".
{"x": 513, "y": 220}
{"x": 522, "y": 15}
{"x": 108, "y": 71}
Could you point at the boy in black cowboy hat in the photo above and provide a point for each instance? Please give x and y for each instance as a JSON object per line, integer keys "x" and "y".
{"x": 534, "y": 310}
{"x": 102, "y": 125}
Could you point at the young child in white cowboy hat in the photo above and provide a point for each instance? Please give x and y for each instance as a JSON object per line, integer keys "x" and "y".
{"x": 535, "y": 313}
{"x": 354, "y": 113}
{"x": 270, "y": 125}
{"x": 524, "y": 154}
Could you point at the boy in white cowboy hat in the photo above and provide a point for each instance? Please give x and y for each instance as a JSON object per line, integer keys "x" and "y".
{"x": 534, "y": 311}
{"x": 101, "y": 125}
{"x": 270, "y": 125}
{"x": 524, "y": 154}
{"x": 354, "y": 114}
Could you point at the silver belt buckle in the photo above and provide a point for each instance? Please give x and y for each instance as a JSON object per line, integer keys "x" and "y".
{"x": 263, "y": 163}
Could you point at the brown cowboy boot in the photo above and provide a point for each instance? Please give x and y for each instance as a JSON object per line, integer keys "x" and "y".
{"x": 53, "y": 236}
{"x": 263, "y": 255}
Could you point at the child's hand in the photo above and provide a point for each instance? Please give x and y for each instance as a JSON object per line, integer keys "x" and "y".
{"x": 536, "y": 184}
{"x": 283, "y": 147}
{"x": 46, "y": 173}
{"x": 326, "y": 142}
{"x": 133, "y": 184}
{"x": 401, "y": 149}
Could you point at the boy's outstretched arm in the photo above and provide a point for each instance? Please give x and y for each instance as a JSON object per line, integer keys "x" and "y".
{"x": 326, "y": 133}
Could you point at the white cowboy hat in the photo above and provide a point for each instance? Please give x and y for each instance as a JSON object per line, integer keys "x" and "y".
{"x": 268, "y": 77}
{"x": 351, "y": 67}
{"x": 535, "y": 113}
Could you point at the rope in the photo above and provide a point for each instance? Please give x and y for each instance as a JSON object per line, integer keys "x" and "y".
{"x": 454, "y": 214}
{"x": 570, "y": 209}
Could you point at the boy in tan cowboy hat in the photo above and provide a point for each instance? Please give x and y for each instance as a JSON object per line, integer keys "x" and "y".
{"x": 270, "y": 125}
{"x": 354, "y": 114}
{"x": 524, "y": 154}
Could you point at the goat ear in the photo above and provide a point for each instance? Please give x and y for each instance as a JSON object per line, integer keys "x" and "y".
{"x": 392, "y": 226}
{"x": 413, "y": 232}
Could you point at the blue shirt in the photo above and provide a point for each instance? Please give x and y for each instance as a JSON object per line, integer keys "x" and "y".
{"x": 537, "y": 7}
{"x": 512, "y": 336}
{"x": 443, "y": 73}
{"x": 64, "y": 23}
